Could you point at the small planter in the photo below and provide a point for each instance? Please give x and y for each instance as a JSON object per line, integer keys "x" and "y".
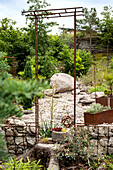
{"x": 98, "y": 118}
{"x": 104, "y": 101}
{"x": 58, "y": 136}
{"x": 111, "y": 102}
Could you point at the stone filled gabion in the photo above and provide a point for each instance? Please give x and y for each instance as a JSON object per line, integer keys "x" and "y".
{"x": 18, "y": 138}
{"x": 102, "y": 135}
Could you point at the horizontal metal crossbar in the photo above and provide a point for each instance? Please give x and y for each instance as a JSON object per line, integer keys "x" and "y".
{"x": 46, "y": 10}
{"x": 59, "y": 13}
{"x": 56, "y": 16}
{"x": 47, "y": 14}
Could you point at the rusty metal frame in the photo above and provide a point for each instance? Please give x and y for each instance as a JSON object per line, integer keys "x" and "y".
{"x": 49, "y": 13}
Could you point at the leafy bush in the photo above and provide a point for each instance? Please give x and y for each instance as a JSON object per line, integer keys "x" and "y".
{"x": 76, "y": 147}
{"x": 98, "y": 88}
{"x": 14, "y": 91}
{"x": 48, "y": 64}
{"x": 3, "y": 63}
{"x": 108, "y": 161}
{"x": 96, "y": 107}
{"x": 83, "y": 60}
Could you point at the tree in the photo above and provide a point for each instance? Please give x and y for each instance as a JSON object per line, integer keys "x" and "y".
{"x": 90, "y": 23}
{"x": 43, "y": 27}
{"x": 14, "y": 42}
{"x": 66, "y": 38}
{"x": 106, "y": 27}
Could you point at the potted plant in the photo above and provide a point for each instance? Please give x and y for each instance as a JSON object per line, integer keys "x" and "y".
{"x": 98, "y": 114}
{"x": 58, "y": 134}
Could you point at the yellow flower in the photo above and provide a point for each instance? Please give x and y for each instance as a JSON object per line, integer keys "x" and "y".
{"x": 64, "y": 130}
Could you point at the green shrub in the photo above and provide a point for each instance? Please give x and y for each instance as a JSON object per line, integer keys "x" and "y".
{"x": 76, "y": 147}
{"x": 83, "y": 61}
{"x": 14, "y": 91}
{"x": 28, "y": 70}
{"x": 98, "y": 88}
{"x": 109, "y": 162}
{"x": 27, "y": 103}
{"x": 96, "y": 107}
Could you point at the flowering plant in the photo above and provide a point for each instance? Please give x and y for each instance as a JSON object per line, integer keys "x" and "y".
{"x": 59, "y": 129}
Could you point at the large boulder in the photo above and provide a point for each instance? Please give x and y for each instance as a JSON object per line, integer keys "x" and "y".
{"x": 62, "y": 82}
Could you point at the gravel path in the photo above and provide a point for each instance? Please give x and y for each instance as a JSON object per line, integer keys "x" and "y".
{"x": 61, "y": 105}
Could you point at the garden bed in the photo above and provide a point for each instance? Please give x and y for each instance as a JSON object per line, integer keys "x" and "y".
{"x": 98, "y": 118}
{"x": 104, "y": 101}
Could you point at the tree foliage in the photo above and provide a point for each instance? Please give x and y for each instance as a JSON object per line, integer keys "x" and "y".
{"x": 106, "y": 27}
{"x": 90, "y": 23}
{"x": 28, "y": 70}
{"x": 14, "y": 91}
{"x": 83, "y": 61}
{"x": 43, "y": 27}
{"x": 14, "y": 42}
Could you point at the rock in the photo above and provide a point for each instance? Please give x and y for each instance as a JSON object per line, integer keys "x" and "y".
{"x": 62, "y": 82}
{"x": 98, "y": 94}
{"x": 87, "y": 102}
{"x": 111, "y": 141}
{"x": 12, "y": 152}
{"x": 85, "y": 99}
{"x": 11, "y": 147}
{"x": 19, "y": 140}
{"x": 110, "y": 150}
{"x": 17, "y": 122}
{"x": 20, "y": 151}
{"x": 30, "y": 140}
{"x": 83, "y": 88}
{"x": 27, "y": 111}
{"x": 77, "y": 91}
{"x": 48, "y": 92}
{"x": 10, "y": 140}
{"x": 9, "y": 132}
{"x": 82, "y": 93}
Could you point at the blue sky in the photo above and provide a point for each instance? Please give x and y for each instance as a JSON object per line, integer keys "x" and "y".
{"x": 12, "y": 9}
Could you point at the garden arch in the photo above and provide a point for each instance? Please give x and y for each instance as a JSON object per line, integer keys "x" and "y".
{"x": 53, "y": 13}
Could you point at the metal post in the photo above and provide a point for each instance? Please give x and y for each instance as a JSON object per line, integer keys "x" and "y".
{"x": 75, "y": 68}
{"x": 94, "y": 74}
{"x": 36, "y": 77}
